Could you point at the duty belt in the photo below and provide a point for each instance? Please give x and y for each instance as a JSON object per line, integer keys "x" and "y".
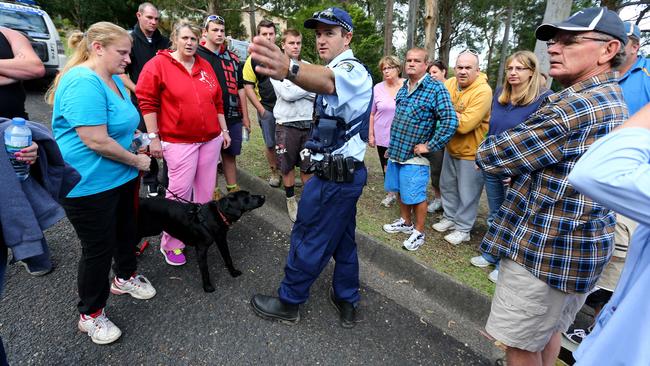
{"x": 336, "y": 168}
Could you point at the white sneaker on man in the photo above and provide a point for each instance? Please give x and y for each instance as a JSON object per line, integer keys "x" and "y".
{"x": 494, "y": 275}
{"x": 456, "y": 237}
{"x": 398, "y": 226}
{"x": 389, "y": 199}
{"x": 292, "y": 208}
{"x": 479, "y": 261}
{"x": 434, "y": 205}
{"x": 100, "y": 329}
{"x": 414, "y": 241}
{"x": 443, "y": 225}
{"x": 137, "y": 286}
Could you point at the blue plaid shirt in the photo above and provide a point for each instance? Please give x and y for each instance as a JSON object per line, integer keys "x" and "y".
{"x": 423, "y": 116}
{"x": 559, "y": 235}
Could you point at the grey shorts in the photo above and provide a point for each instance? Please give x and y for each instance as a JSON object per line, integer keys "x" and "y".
{"x": 267, "y": 123}
{"x": 526, "y": 311}
{"x": 290, "y": 141}
{"x": 435, "y": 165}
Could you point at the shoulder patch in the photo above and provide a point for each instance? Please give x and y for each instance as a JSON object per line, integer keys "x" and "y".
{"x": 347, "y": 66}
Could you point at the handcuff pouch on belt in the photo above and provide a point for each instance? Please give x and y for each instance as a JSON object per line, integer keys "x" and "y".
{"x": 336, "y": 168}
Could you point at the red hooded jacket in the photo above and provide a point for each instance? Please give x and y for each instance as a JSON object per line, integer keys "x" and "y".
{"x": 186, "y": 105}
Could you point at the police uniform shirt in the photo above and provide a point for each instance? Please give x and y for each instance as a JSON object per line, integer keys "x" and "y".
{"x": 636, "y": 85}
{"x": 353, "y": 93}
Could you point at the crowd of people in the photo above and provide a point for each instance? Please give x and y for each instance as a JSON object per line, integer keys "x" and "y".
{"x": 550, "y": 220}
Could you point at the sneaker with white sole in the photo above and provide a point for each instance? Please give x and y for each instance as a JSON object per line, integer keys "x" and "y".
{"x": 398, "y": 226}
{"x": 292, "y": 208}
{"x": 443, "y": 225}
{"x": 137, "y": 286}
{"x": 493, "y": 276}
{"x": 414, "y": 241}
{"x": 100, "y": 329}
{"x": 480, "y": 261}
{"x": 434, "y": 205}
{"x": 275, "y": 178}
{"x": 456, "y": 237}
{"x": 389, "y": 200}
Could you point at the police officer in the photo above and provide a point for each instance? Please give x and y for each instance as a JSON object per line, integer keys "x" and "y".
{"x": 326, "y": 220}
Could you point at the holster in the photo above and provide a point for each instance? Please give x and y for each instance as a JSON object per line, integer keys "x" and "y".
{"x": 336, "y": 168}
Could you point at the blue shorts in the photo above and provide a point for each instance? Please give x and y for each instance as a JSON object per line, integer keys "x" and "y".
{"x": 235, "y": 128}
{"x": 267, "y": 124}
{"x": 409, "y": 180}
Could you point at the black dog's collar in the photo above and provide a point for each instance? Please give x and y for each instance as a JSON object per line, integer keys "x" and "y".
{"x": 223, "y": 217}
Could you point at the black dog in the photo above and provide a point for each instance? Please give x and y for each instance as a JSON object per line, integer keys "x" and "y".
{"x": 197, "y": 225}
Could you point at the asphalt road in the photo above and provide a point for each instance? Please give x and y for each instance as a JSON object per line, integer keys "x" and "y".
{"x": 184, "y": 325}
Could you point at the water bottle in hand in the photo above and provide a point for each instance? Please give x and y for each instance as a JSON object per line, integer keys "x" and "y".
{"x": 140, "y": 140}
{"x": 244, "y": 134}
{"x": 17, "y": 137}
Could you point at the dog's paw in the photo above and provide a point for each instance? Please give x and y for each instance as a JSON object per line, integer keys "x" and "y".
{"x": 208, "y": 288}
{"x": 235, "y": 273}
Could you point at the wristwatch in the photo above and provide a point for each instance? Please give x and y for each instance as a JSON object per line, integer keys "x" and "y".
{"x": 152, "y": 135}
{"x": 294, "y": 67}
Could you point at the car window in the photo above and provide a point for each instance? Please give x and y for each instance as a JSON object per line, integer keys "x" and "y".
{"x": 28, "y": 21}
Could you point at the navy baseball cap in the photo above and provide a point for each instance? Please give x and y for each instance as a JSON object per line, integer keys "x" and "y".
{"x": 600, "y": 20}
{"x": 331, "y": 16}
{"x": 632, "y": 30}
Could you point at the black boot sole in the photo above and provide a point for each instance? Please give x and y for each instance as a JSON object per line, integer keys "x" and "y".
{"x": 264, "y": 315}
{"x": 344, "y": 323}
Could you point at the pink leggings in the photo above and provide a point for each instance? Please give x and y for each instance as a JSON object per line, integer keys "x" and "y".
{"x": 192, "y": 172}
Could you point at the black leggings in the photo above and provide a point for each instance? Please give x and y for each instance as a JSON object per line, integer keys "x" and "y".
{"x": 105, "y": 223}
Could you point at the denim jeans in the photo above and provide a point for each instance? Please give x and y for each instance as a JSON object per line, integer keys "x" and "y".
{"x": 496, "y": 194}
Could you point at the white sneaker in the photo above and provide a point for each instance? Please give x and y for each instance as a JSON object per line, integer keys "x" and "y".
{"x": 434, "y": 205}
{"x": 414, "y": 241}
{"x": 479, "y": 261}
{"x": 389, "y": 200}
{"x": 292, "y": 208}
{"x": 443, "y": 225}
{"x": 456, "y": 237}
{"x": 136, "y": 286}
{"x": 493, "y": 276}
{"x": 275, "y": 179}
{"x": 100, "y": 329}
{"x": 398, "y": 226}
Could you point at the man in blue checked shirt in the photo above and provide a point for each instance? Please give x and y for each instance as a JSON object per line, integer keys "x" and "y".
{"x": 424, "y": 121}
{"x": 554, "y": 241}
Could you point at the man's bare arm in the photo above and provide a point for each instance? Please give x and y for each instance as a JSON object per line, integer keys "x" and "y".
{"x": 25, "y": 64}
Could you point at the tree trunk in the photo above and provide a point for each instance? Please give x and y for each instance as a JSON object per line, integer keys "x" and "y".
{"x": 388, "y": 28}
{"x": 251, "y": 18}
{"x": 556, "y": 10}
{"x": 412, "y": 21}
{"x": 446, "y": 29}
{"x": 504, "y": 46}
{"x": 430, "y": 26}
{"x": 213, "y": 7}
{"x": 491, "y": 40}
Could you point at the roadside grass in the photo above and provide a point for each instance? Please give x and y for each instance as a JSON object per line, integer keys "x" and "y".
{"x": 436, "y": 252}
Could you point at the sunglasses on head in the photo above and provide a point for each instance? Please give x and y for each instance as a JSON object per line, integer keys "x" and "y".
{"x": 469, "y": 50}
{"x": 214, "y": 18}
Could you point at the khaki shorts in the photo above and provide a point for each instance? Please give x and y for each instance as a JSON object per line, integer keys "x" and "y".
{"x": 526, "y": 311}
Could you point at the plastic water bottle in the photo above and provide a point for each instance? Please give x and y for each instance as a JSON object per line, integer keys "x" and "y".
{"x": 140, "y": 140}
{"x": 17, "y": 137}
{"x": 244, "y": 134}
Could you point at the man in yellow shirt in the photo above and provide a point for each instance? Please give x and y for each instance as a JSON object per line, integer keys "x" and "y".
{"x": 461, "y": 182}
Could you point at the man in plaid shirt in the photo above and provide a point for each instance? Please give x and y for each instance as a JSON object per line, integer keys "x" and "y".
{"x": 424, "y": 121}
{"x": 554, "y": 240}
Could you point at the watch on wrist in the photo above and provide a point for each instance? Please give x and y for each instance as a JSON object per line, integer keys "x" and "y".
{"x": 294, "y": 67}
{"x": 152, "y": 135}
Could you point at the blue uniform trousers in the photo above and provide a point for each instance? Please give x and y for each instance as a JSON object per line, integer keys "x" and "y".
{"x": 324, "y": 229}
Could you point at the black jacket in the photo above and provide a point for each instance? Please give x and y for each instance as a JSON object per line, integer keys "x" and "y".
{"x": 142, "y": 51}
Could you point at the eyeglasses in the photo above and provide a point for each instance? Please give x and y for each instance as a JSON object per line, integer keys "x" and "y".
{"x": 517, "y": 69}
{"x": 469, "y": 50}
{"x": 329, "y": 15}
{"x": 387, "y": 68}
{"x": 214, "y": 18}
{"x": 571, "y": 40}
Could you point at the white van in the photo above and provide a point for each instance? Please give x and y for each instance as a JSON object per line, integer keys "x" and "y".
{"x": 39, "y": 28}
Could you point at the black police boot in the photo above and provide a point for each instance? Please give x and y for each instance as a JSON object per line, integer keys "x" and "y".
{"x": 270, "y": 307}
{"x": 346, "y": 310}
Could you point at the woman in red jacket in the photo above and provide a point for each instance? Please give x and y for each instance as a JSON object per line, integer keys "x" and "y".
{"x": 181, "y": 103}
